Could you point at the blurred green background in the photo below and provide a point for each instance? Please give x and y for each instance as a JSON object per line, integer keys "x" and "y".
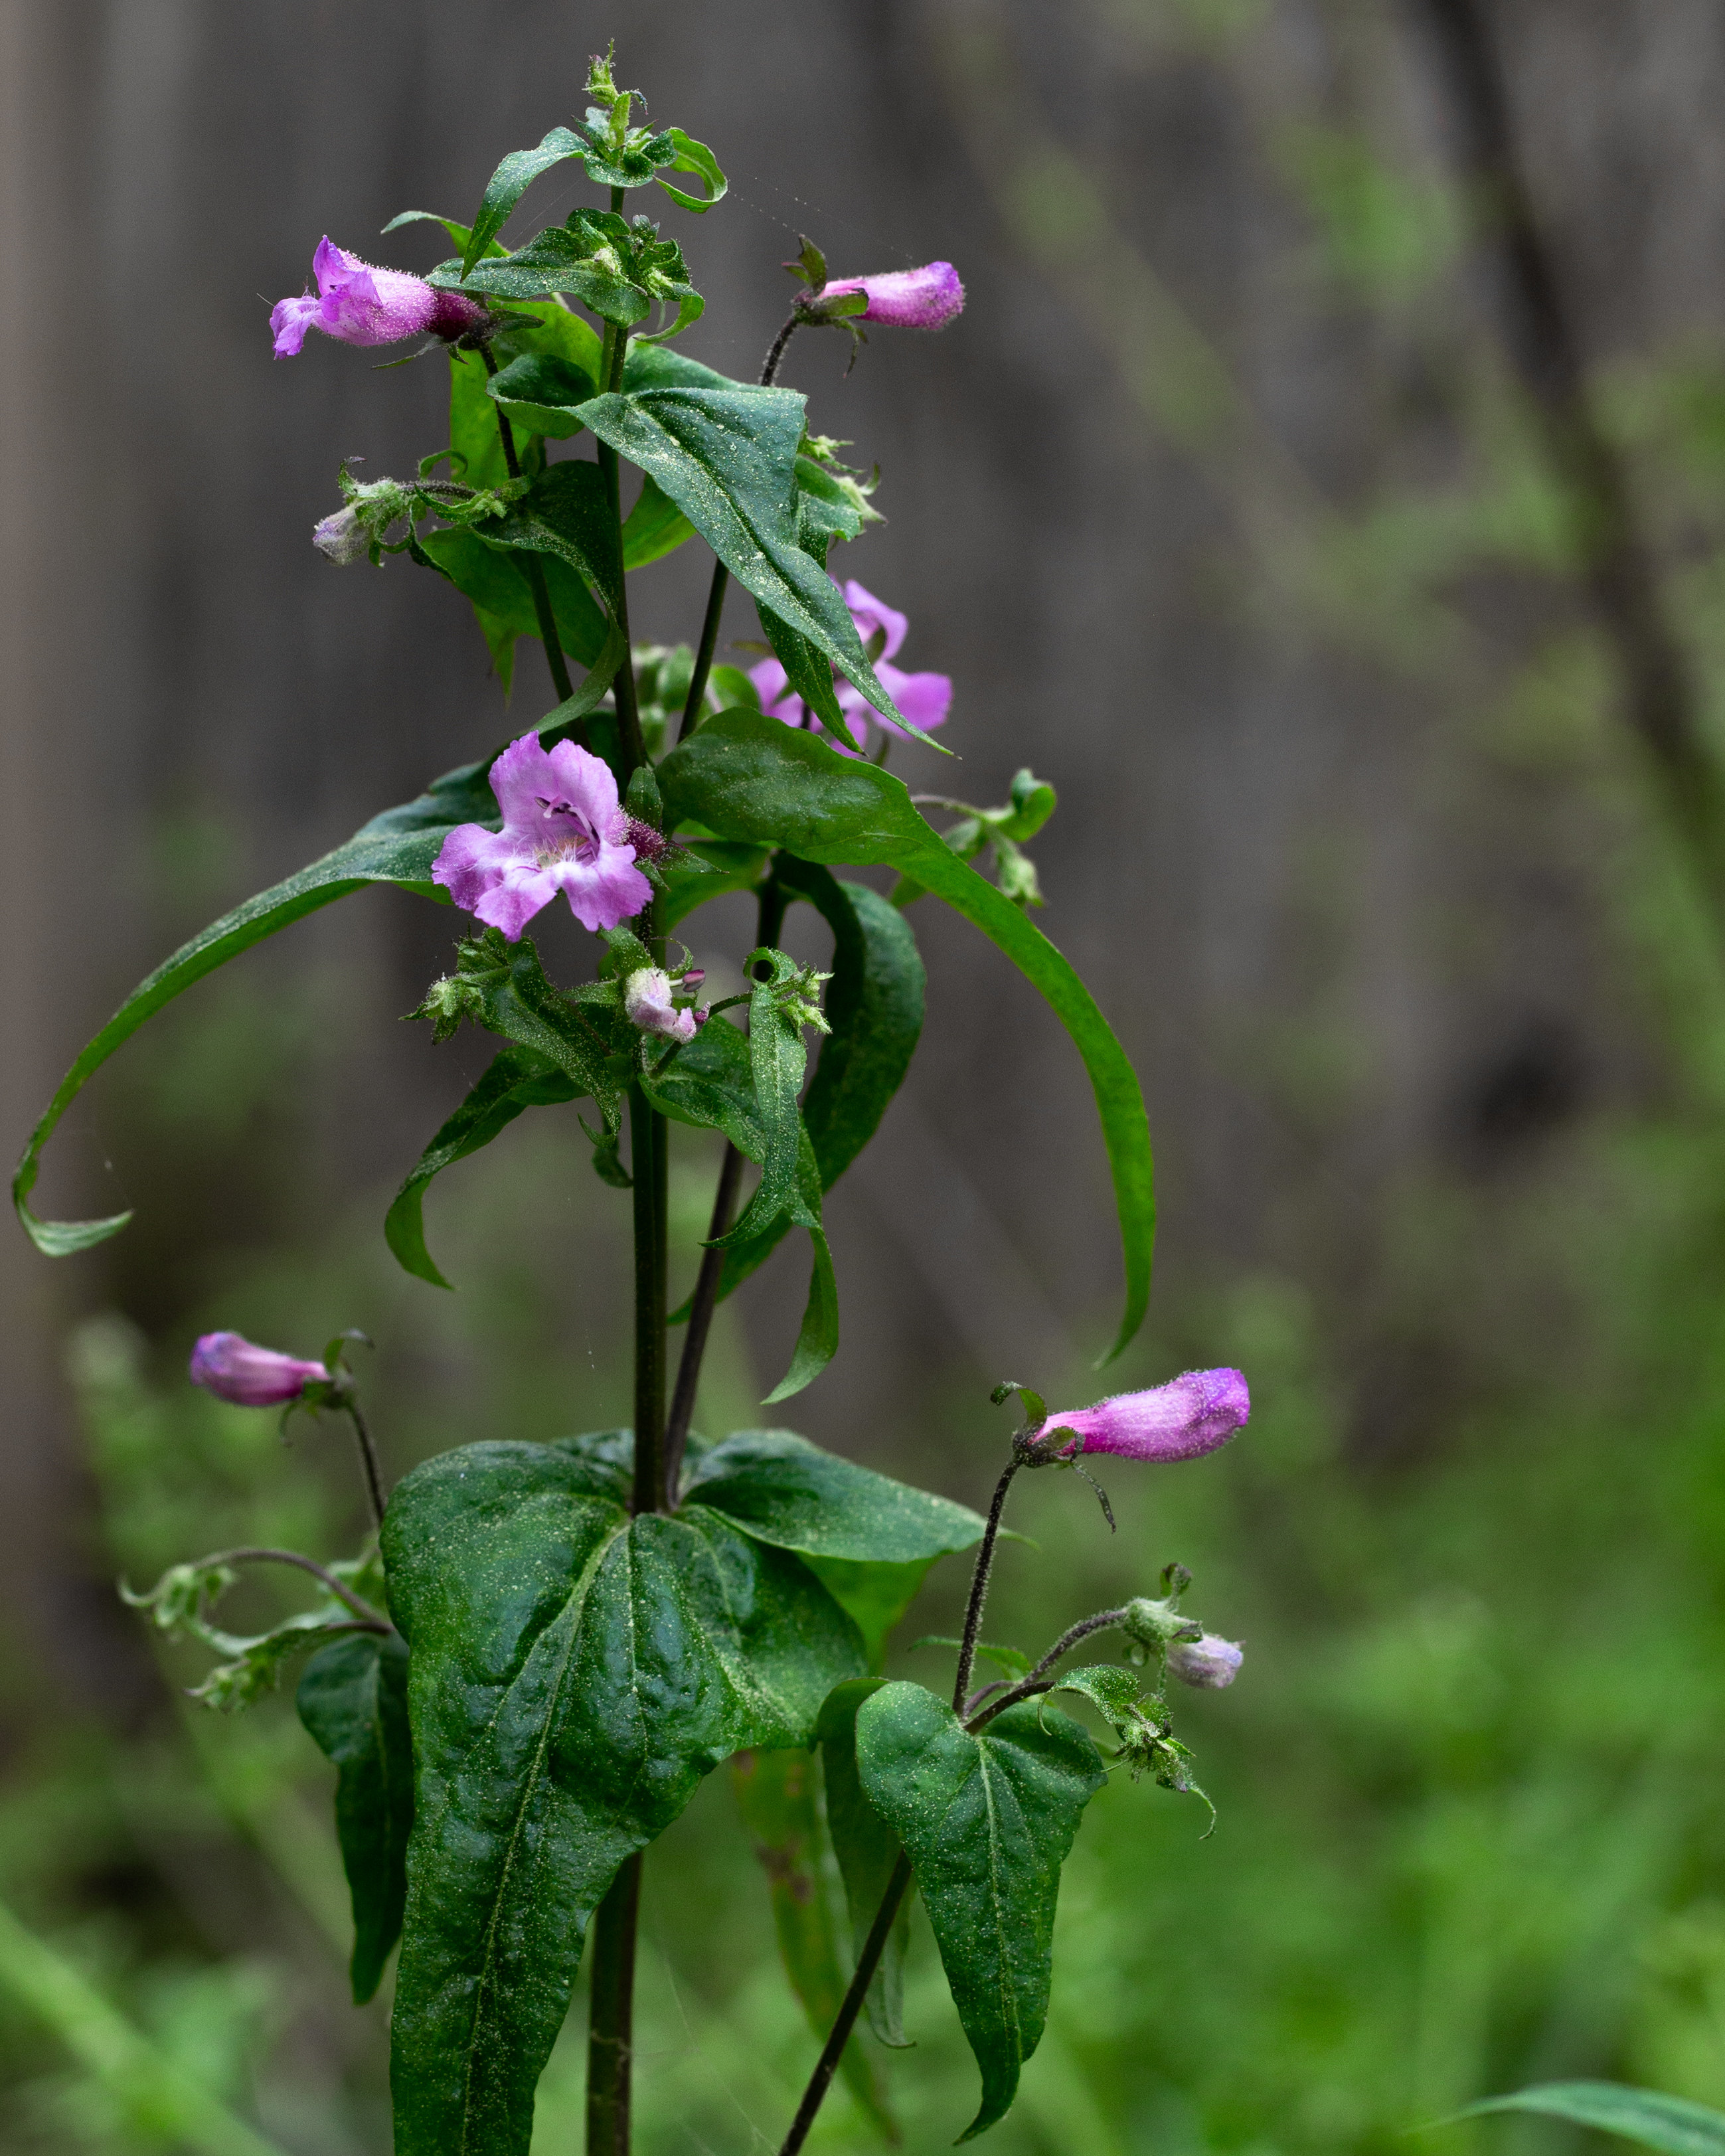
{"x": 1231, "y": 507}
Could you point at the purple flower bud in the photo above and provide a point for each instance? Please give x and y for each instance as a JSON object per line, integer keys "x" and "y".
{"x": 342, "y": 538}
{"x": 359, "y": 304}
{"x": 691, "y": 978}
{"x": 925, "y": 299}
{"x": 1181, "y": 1420}
{"x": 1210, "y": 1663}
{"x": 228, "y": 1365}
{"x": 647, "y": 1000}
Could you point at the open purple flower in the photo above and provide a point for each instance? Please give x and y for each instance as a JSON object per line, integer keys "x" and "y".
{"x": 233, "y": 1368}
{"x": 1181, "y": 1420}
{"x": 563, "y": 830}
{"x": 925, "y": 699}
{"x": 1210, "y": 1662}
{"x": 925, "y": 299}
{"x": 360, "y": 305}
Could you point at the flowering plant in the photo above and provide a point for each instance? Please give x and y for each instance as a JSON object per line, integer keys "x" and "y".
{"x": 523, "y": 1676}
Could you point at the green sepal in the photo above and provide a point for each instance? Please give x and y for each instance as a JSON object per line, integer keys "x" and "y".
{"x": 574, "y": 1674}
{"x": 517, "y": 1079}
{"x": 749, "y": 778}
{"x": 867, "y": 1850}
{"x": 777, "y": 1795}
{"x": 727, "y": 457}
{"x": 988, "y": 1821}
{"x": 353, "y": 1699}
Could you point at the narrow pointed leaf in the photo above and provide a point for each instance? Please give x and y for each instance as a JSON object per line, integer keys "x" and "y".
{"x": 353, "y": 1699}
{"x": 518, "y": 1080}
{"x": 509, "y": 183}
{"x": 777, "y": 1795}
{"x": 728, "y": 460}
{"x": 988, "y": 1821}
{"x": 818, "y": 1337}
{"x": 1671, "y": 2123}
{"x": 574, "y": 1674}
{"x": 693, "y": 156}
{"x": 750, "y": 779}
{"x": 868, "y": 1851}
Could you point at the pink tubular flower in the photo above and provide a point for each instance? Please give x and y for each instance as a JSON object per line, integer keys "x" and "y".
{"x": 649, "y": 1001}
{"x": 1181, "y": 1420}
{"x": 359, "y": 304}
{"x": 925, "y": 299}
{"x": 925, "y": 699}
{"x": 563, "y": 831}
{"x": 1210, "y": 1663}
{"x": 228, "y": 1365}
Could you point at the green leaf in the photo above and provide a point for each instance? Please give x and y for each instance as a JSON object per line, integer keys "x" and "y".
{"x": 509, "y": 183}
{"x": 777, "y": 1059}
{"x": 1113, "y": 1690}
{"x": 781, "y": 1489}
{"x": 653, "y": 528}
{"x": 868, "y": 1851}
{"x": 727, "y": 457}
{"x": 818, "y": 1335}
{"x": 518, "y": 1079}
{"x": 493, "y": 578}
{"x": 353, "y": 1699}
{"x": 776, "y": 1793}
{"x": 988, "y": 1821}
{"x": 728, "y": 868}
{"x": 567, "y": 513}
{"x": 397, "y": 847}
{"x": 693, "y": 156}
{"x": 1672, "y": 2123}
{"x": 574, "y": 1674}
{"x": 874, "y": 1006}
{"x": 539, "y": 392}
{"x": 751, "y": 779}
{"x": 876, "y": 1596}
{"x": 502, "y": 986}
{"x": 709, "y": 1083}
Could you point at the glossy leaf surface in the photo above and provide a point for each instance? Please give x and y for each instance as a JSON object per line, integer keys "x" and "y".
{"x": 509, "y": 183}
{"x": 574, "y": 1674}
{"x": 988, "y": 1821}
{"x": 776, "y": 1793}
{"x": 353, "y": 1701}
{"x": 727, "y": 457}
{"x": 518, "y": 1080}
{"x": 779, "y": 1488}
{"x": 867, "y": 1850}
{"x": 750, "y": 779}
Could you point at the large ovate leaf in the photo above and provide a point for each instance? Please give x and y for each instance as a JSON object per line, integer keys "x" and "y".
{"x": 781, "y": 1489}
{"x": 353, "y": 1701}
{"x": 567, "y": 513}
{"x": 727, "y": 458}
{"x": 875, "y": 1596}
{"x": 777, "y": 1795}
{"x": 988, "y": 1821}
{"x": 751, "y": 779}
{"x": 519, "y": 1078}
{"x": 574, "y": 1674}
{"x": 538, "y": 392}
{"x": 1671, "y": 2123}
{"x": 867, "y": 1850}
{"x": 726, "y": 868}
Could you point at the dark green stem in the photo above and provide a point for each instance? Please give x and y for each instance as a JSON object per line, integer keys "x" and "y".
{"x": 610, "y": 2038}
{"x": 704, "y": 656}
{"x": 979, "y": 1587}
{"x": 623, "y": 688}
{"x": 367, "y": 1461}
{"x": 531, "y": 562}
{"x": 820, "y": 2081}
{"x": 646, "y": 1133}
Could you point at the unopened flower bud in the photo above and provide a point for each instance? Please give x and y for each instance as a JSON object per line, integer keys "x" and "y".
{"x": 231, "y": 1366}
{"x": 647, "y": 1000}
{"x": 1207, "y": 1662}
{"x": 1181, "y": 1420}
{"x": 342, "y": 538}
{"x": 925, "y": 299}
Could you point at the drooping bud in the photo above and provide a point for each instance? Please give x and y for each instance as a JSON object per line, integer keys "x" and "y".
{"x": 1181, "y": 1420}
{"x": 342, "y": 538}
{"x": 233, "y": 1368}
{"x": 1208, "y": 1662}
{"x": 924, "y": 299}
